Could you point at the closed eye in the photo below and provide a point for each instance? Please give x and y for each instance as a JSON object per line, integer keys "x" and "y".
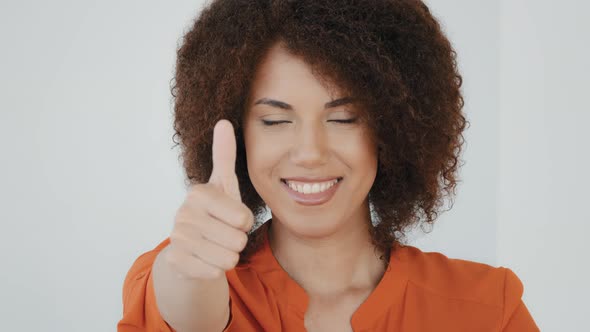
{"x": 345, "y": 121}
{"x": 273, "y": 123}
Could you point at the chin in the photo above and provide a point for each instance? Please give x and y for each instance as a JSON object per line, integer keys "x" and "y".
{"x": 307, "y": 226}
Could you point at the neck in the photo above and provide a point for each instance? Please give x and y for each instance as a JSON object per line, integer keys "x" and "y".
{"x": 340, "y": 263}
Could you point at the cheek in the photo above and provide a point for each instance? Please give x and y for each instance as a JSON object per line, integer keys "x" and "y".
{"x": 262, "y": 153}
{"x": 359, "y": 152}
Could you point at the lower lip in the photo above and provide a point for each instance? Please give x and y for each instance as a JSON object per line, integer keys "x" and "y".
{"x": 312, "y": 199}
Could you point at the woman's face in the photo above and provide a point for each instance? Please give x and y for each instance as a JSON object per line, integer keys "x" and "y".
{"x": 308, "y": 142}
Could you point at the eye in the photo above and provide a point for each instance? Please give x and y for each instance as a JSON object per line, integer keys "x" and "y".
{"x": 272, "y": 123}
{"x": 345, "y": 121}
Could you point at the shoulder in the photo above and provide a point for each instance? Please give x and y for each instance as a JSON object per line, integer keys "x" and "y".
{"x": 140, "y": 311}
{"x": 460, "y": 280}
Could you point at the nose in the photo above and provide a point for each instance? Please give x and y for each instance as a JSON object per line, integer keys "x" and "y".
{"x": 309, "y": 147}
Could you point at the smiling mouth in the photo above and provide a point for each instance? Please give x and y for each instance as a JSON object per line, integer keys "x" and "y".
{"x": 312, "y": 198}
{"x": 336, "y": 178}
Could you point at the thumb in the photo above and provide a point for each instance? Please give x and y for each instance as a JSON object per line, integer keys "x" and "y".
{"x": 223, "y": 175}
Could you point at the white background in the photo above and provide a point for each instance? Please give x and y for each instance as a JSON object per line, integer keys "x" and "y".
{"x": 89, "y": 179}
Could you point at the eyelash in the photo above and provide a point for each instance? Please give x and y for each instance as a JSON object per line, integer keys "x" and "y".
{"x": 272, "y": 123}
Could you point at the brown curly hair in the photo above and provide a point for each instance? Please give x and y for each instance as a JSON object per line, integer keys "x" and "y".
{"x": 390, "y": 54}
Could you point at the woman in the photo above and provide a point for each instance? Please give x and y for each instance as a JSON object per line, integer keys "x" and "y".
{"x": 348, "y": 126}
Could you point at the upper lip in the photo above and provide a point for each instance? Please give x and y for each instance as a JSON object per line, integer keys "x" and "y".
{"x": 312, "y": 179}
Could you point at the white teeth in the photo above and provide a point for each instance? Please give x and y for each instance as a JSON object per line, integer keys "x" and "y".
{"x": 309, "y": 188}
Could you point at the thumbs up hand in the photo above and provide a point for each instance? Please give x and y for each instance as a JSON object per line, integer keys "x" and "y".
{"x": 223, "y": 175}
{"x": 210, "y": 227}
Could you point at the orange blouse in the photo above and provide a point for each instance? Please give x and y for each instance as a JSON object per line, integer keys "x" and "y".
{"x": 419, "y": 291}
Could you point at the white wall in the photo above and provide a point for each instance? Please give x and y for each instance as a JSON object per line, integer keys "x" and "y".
{"x": 88, "y": 179}
{"x": 543, "y": 220}
{"x": 468, "y": 230}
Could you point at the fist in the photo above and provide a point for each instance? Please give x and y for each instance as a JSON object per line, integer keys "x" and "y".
{"x": 211, "y": 225}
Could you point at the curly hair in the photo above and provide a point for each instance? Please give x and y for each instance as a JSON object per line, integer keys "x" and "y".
{"x": 392, "y": 55}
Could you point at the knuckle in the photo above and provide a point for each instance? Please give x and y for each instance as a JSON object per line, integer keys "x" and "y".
{"x": 215, "y": 273}
{"x": 242, "y": 240}
{"x": 175, "y": 261}
{"x": 178, "y": 238}
{"x": 245, "y": 218}
{"x": 233, "y": 260}
{"x": 181, "y": 213}
{"x": 175, "y": 234}
{"x": 187, "y": 214}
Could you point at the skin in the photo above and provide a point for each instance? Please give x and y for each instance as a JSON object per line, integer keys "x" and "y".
{"x": 326, "y": 249}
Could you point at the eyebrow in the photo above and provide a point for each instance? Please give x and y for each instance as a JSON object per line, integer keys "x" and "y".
{"x": 285, "y": 106}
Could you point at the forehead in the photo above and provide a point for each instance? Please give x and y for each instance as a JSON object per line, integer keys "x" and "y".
{"x": 282, "y": 73}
